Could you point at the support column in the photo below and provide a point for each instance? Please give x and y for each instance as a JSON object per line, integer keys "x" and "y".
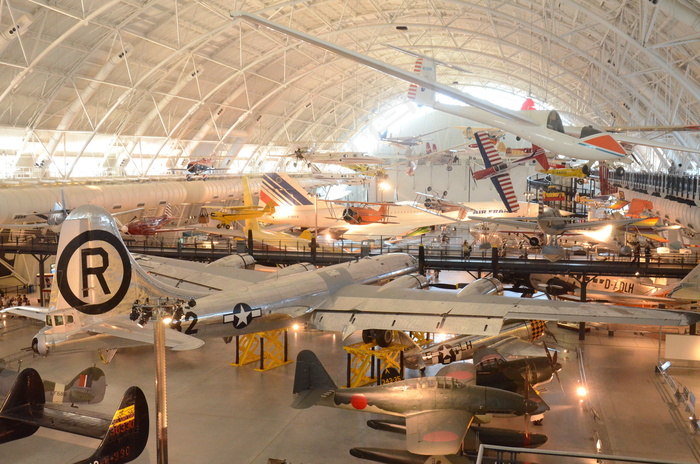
{"x": 582, "y": 325}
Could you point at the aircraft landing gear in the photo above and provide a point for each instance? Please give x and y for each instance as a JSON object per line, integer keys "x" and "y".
{"x": 218, "y": 226}
{"x": 382, "y": 338}
{"x": 620, "y": 171}
{"x": 228, "y": 226}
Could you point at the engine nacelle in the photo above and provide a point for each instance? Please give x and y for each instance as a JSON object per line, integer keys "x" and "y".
{"x": 407, "y": 281}
{"x": 557, "y": 287}
{"x": 295, "y": 269}
{"x": 39, "y": 345}
{"x": 483, "y": 286}
{"x": 236, "y": 261}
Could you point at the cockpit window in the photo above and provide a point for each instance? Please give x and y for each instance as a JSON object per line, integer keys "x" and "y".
{"x": 58, "y": 320}
{"x": 49, "y": 320}
{"x": 448, "y": 382}
{"x": 69, "y": 319}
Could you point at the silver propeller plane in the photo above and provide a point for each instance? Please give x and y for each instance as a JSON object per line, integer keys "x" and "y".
{"x": 100, "y": 298}
{"x": 438, "y": 410}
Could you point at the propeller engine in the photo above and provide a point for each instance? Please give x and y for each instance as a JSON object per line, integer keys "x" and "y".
{"x": 557, "y": 287}
{"x": 351, "y": 216}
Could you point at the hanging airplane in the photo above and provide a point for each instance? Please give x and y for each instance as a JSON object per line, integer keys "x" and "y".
{"x": 294, "y": 207}
{"x": 123, "y": 436}
{"x": 438, "y": 410}
{"x": 200, "y": 167}
{"x": 553, "y": 225}
{"x": 495, "y": 166}
{"x": 97, "y": 284}
{"x": 361, "y": 213}
{"x": 447, "y": 157}
{"x": 343, "y": 158}
{"x": 227, "y": 215}
{"x": 270, "y": 239}
{"x": 152, "y": 225}
{"x": 498, "y": 171}
{"x": 406, "y": 141}
{"x": 542, "y": 128}
{"x": 88, "y": 387}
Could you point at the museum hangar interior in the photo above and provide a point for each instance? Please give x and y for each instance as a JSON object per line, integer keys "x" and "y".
{"x": 175, "y": 109}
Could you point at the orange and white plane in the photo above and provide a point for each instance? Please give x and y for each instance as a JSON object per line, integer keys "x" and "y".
{"x": 360, "y": 213}
{"x": 294, "y": 207}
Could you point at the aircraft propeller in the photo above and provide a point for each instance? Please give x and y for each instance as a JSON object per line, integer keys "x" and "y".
{"x": 556, "y": 367}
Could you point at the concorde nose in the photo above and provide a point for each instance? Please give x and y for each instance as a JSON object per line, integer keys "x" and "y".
{"x": 505, "y": 402}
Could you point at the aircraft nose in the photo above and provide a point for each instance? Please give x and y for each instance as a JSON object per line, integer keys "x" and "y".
{"x": 505, "y": 402}
{"x": 530, "y": 406}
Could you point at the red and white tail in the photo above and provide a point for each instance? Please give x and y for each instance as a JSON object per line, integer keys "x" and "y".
{"x": 428, "y": 150}
{"x": 425, "y": 67}
{"x": 541, "y": 157}
{"x": 528, "y": 104}
{"x": 413, "y": 88}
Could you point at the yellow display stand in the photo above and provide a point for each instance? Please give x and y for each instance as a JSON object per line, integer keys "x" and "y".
{"x": 363, "y": 369}
{"x": 269, "y": 348}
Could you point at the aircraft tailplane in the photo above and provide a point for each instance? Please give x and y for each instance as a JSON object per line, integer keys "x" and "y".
{"x": 311, "y": 380}
{"x": 28, "y": 390}
{"x": 95, "y": 273}
{"x": 281, "y": 189}
{"x": 88, "y": 386}
{"x": 252, "y": 224}
{"x": 127, "y": 435}
{"x": 540, "y": 156}
{"x": 425, "y": 67}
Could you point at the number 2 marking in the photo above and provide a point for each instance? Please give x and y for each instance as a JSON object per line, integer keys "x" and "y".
{"x": 191, "y": 330}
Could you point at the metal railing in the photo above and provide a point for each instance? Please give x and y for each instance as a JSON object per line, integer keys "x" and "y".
{"x": 512, "y": 452}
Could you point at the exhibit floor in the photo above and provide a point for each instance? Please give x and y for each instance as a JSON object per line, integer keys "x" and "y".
{"x": 218, "y": 413}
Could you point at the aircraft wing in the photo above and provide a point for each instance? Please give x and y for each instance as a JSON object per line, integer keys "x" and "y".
{"x": 177, "y": 341}
{"x": 197, "y": 276}
{"x": 32, "y": 225}
{"x": 393, "y": 71}
{"x": 222, "y": 232}
{"x": 32, "y": 312}
{"x": 516, "y": 347}
{"x": 614, "y": 222}
{"x": 437, "y": 432}
{"x": 522, "y": 223}
{"x": 61, "y": 418}
{"x": 358, "y": 307}
{"x": 652, "y": 143}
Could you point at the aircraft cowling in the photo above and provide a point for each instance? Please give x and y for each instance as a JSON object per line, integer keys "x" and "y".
{"x": 557, "y": 287}
{"x": 39, "y": 345}
{"x": 553, "y": 252}
{"x": 350, "y": 216}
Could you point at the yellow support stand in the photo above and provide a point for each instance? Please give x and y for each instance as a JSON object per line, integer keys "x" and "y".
{"x": 269, "y": 348}
{"x": 422, "y": 338}
{"x": 363, "y": 369}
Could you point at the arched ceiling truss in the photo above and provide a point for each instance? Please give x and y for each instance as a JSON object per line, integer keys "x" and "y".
{"x": 174, "y": 79}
